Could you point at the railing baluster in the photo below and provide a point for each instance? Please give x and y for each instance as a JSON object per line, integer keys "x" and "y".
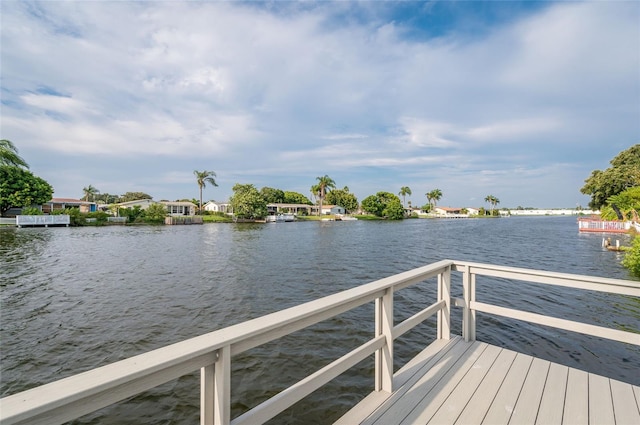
{"x": 384, "y": 356}
{"x": 444, "y": 293}
{"x": 206, "y": 394}
{"x": 222, "y": 387}
{"x": 468, "y": 315}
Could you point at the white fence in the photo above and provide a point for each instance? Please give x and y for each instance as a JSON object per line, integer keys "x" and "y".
{"x": 78, "y": 395}
{"x": 43, "y": 220}
{"x": 590, "y": 225}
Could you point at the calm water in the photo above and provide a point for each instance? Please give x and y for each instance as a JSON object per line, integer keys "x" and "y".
{"x": 76, "y": 298}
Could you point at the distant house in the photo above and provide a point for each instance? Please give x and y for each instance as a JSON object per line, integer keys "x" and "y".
{"x": 447, "y": 211}
{"x": 473, "y": 211}
{"x": 223, "y": 207}
{"x": 277, "y": 208}
{"x": 59, "y": 204}
{"x": 332, "y": 209}
{"x": 142, "y": 203}
{"x": 179, "y": 207}
{"x": 409, "y": 211}
{"x": 173, "y": 208}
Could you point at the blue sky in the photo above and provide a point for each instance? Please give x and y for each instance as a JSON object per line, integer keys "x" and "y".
{"x": 519, "y": 100}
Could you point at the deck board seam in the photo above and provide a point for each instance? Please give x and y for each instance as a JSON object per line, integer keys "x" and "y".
{"x": 564, "y": 400}
{"x": 546, "y": 378}
{"x": 443, "y": 375}
{"x": 486, "y": 373}
{"x": 498, "y": 389}
{"x": 407, "y": 383}
{"x": 464, "y": 360}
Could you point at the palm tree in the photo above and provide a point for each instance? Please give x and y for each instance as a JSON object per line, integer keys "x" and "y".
{"x": 9, "y": 155}
{"x": 204, "y": 177}
{"x": 404, "y": 191}
{"x": 493, "y": 201}
{"x": 90, "y": 192}
{"x": 325, "y": 184}
{"x": 433, "y": 197}
{"x": 315, "y": 192}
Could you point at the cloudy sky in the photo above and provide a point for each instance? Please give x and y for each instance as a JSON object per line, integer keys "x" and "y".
{"x": 519, "y": 100}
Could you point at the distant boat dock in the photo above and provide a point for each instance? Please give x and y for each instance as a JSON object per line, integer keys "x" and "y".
{"x": 595, "y": 225}
{"x": 43, "y": 220}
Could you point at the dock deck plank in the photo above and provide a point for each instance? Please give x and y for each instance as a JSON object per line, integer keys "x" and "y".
{"x": 552, "y": 403}
{"x": 473, "y": 382}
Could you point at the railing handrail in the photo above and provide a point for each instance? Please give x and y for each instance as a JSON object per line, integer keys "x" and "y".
{"x": 197, "y": 352}
{"x": 86, "y": 392}
{"x": 569, "y": 280}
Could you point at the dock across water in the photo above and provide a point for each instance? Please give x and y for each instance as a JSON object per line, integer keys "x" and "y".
{"x": 455, "y": 379}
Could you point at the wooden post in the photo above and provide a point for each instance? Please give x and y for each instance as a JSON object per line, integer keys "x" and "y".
{"x": 206, "y": 395}
{"x": 384, "y": 356}
{"x": 222, "y": 387}
{"x": 444, "y": 293}
{"x": 468, "y": 315}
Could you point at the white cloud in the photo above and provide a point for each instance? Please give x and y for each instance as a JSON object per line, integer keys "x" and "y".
{"x": 252, "y": 92}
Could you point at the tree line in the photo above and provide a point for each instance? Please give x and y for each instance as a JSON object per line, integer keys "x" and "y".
{"x": 616, "y": 193}
{"x": 20, "y": 188}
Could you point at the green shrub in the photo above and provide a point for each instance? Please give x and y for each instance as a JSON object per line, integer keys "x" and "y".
{"x": 31, "y": 211}
{"x": 155, "y": 214}
{"x": 100, "y": 216}
{"x": 631, "y": 259}
{"x": 75, "y": 216}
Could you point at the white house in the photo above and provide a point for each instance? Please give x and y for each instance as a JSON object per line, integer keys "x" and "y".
{"x": 179, "y": 207}
{"x": 142, "y": 203}
{"x": 277, "y": 208}
{"x": 173, "y": 208}
{"x": 224, "y": 207}
{"x": 447, "y": 211}
{"x": 332, "y": 209}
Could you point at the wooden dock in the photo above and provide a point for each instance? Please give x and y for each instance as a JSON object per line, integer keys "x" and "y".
{"x": 457, "y": 382}
{"x": 455, "y": 379}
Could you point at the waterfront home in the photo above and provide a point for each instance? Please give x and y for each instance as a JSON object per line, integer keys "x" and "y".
{"x": 333, "y": 209}
{"x": 448, "y": 211}
{"x": 213, "y": 206}
{"x": 142, "y": 203}
{"x": 60, "y": 204}
{"x": 173, "y": 208}
{"x": 298, "y": 209}
{"x": 179, "y": 207}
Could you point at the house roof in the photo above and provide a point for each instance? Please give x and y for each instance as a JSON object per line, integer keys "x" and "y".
{"x": 69, "y": 201}
{"x": 137, "y": 201}
{"x": 179, "y": 203}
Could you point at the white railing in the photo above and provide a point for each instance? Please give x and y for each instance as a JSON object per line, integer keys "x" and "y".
{"x": 43, "y": 220}
{"x": 78, "y": 395}
{"x": 591, "y": 225}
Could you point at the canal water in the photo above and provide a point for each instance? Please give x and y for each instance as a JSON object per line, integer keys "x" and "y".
{"x": 73, "y": 299}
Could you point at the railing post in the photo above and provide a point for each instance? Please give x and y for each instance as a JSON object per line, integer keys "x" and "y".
{"x": 468, "y": 315}
{"x": 384, "y": 356}
{"x": 206, "y": 395}
{"x": 222, "y": 387}
{"x": 444, "y": 293}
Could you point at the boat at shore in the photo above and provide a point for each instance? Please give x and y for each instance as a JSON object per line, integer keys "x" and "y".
{"x": 278, "y": 218}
